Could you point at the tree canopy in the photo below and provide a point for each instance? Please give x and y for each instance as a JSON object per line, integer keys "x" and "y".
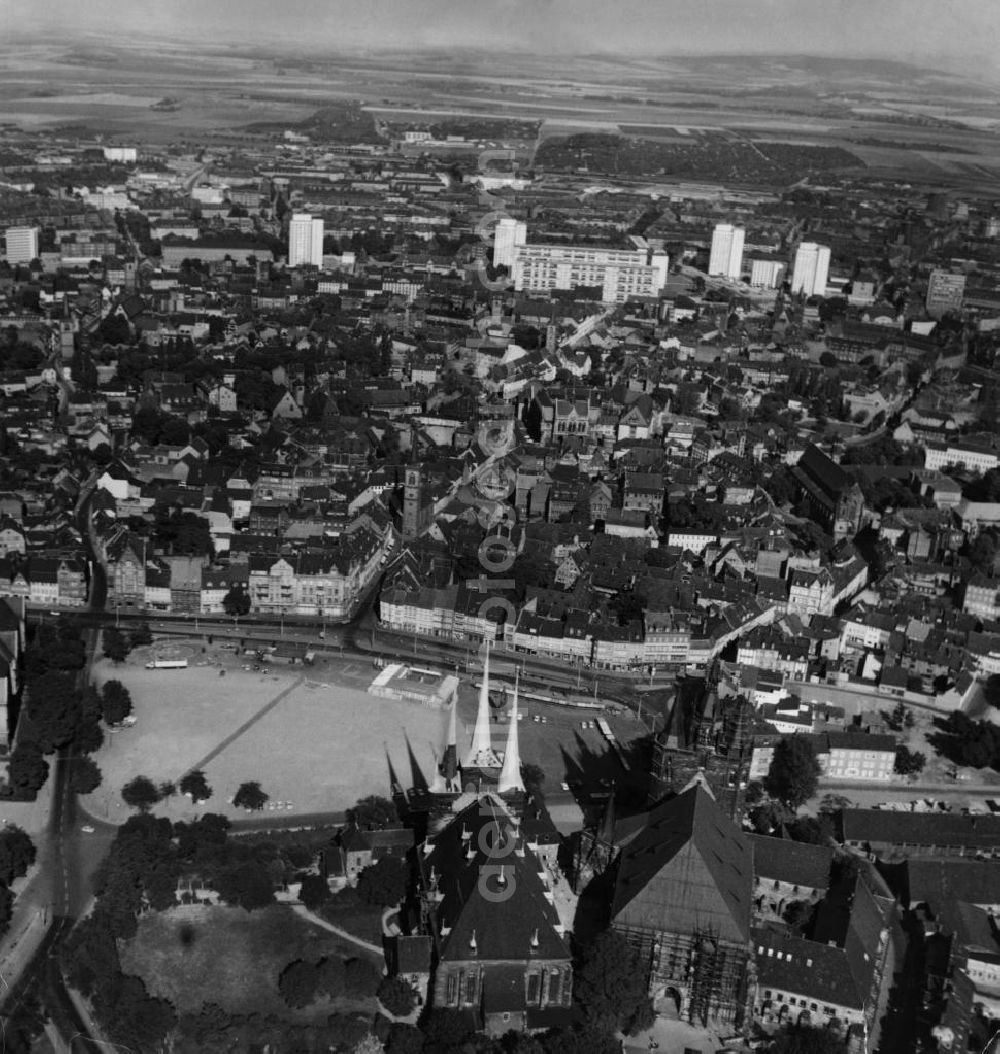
{"x": 17, "y": 853}
{"x": 383, "y": 882}
{"x": 250, "y": 796}
{"x": 116, "y": 702}
{"x": 236, "y": 603}
{"x": 610, "y": 986}
{"x": 794, "y": 772}
{"x": 195, "y": 784}
{"x": 373, "y": 811}
{"x": 140, "y": 793}
{"x": 85, "y": 775}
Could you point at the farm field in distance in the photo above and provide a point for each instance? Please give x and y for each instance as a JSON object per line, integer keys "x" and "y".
{"x": 897, "y": 120}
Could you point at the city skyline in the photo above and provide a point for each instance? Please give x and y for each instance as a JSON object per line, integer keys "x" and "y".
{"x": 908, "y": 30}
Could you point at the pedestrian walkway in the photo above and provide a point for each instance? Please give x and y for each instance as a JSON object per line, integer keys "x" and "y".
{"x": 301, "y": 909}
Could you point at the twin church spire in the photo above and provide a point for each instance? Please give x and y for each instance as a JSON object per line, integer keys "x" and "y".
{"x": 481, "y": 756}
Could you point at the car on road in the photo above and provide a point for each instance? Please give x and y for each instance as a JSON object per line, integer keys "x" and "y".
{"x": 87, "y": 829}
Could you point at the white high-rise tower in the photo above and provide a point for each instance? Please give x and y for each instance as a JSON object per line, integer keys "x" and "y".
{"x": 508, "y": 236}
{"x": 305, "y": 240}
{"x": 812, "y": 268}
{"x": 726, "y": 256}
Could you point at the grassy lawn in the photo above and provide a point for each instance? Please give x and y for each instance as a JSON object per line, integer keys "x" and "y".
{"x": 232, "y": 957}
{"x": 351, "y": 913}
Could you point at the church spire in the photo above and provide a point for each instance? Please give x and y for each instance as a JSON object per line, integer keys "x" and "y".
{"x": 510, "y": 774}
{"x": 481, "y": 750}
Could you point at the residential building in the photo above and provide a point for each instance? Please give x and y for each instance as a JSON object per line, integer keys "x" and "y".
{"x": 766, "y": 272}
{"x": 945, "y": 292}
{"x": 812, "y": 267}
{"x": 620, "y": 273}
{"x": 305, "y": 240}
{"x": 22, "y": 244}
{"x": 726, "y": 255}
{"x": 509, "y": 235}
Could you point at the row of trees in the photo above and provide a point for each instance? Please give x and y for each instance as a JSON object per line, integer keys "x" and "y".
{"x": 302, "y": 982}
{"x": 55, "y": 713}
{"x": 17, "y": 854}
{"x": 967, "y": 742}
{"x": 142, "y": 793}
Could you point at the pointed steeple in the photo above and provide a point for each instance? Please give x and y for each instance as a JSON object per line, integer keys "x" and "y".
{"x": 510, "y": 774}
{"x": 481, "y": 751}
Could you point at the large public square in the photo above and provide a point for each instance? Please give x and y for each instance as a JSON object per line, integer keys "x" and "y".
{"x": 311, "y": 735}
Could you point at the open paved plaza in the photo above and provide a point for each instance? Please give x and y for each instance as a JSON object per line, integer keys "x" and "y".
{"x": 312, "y": 736}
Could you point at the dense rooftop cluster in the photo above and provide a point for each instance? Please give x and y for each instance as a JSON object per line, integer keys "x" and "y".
{"x": 790, "y": 496}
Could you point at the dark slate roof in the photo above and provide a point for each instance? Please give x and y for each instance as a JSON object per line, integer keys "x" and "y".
{"x": 798, "y": 863}
{"x": 974, "y": 929}
{"x": 689, "y": 869}
{"x": 819, "y": 972}
{"x": 937, "y": 880}
{"x": 919, "y": 828}
{"x": 823, "y": 471}
{"x": 503, "y": 926}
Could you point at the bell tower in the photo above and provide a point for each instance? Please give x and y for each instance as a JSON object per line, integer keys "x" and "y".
{"x": 413, "y": 501}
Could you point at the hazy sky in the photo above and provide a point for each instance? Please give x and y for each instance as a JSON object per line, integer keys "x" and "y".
{"x": 958, "y": 29}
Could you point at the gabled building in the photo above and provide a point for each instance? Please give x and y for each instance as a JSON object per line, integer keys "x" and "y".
{"x": 834, "y": 498}
{"x": 683, "y": 899}
{"x": 500, "y": 955}
{"x": 840, "y": 976}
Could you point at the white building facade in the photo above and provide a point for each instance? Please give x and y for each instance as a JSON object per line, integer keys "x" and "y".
{"x": 305, "y": 240}
{"x": 726, "y": 256}
{"x": 812, "y": 269}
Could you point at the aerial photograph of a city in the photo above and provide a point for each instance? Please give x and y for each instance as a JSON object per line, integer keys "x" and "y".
{"x": 500, "y": 527}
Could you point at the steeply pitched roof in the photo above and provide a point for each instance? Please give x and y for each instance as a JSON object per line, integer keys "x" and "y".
{"x": 797, "y": 863}
{"x": 792, "y": 964}
{"x": 689, "y": 870}
{"x": 504, "y": 927}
